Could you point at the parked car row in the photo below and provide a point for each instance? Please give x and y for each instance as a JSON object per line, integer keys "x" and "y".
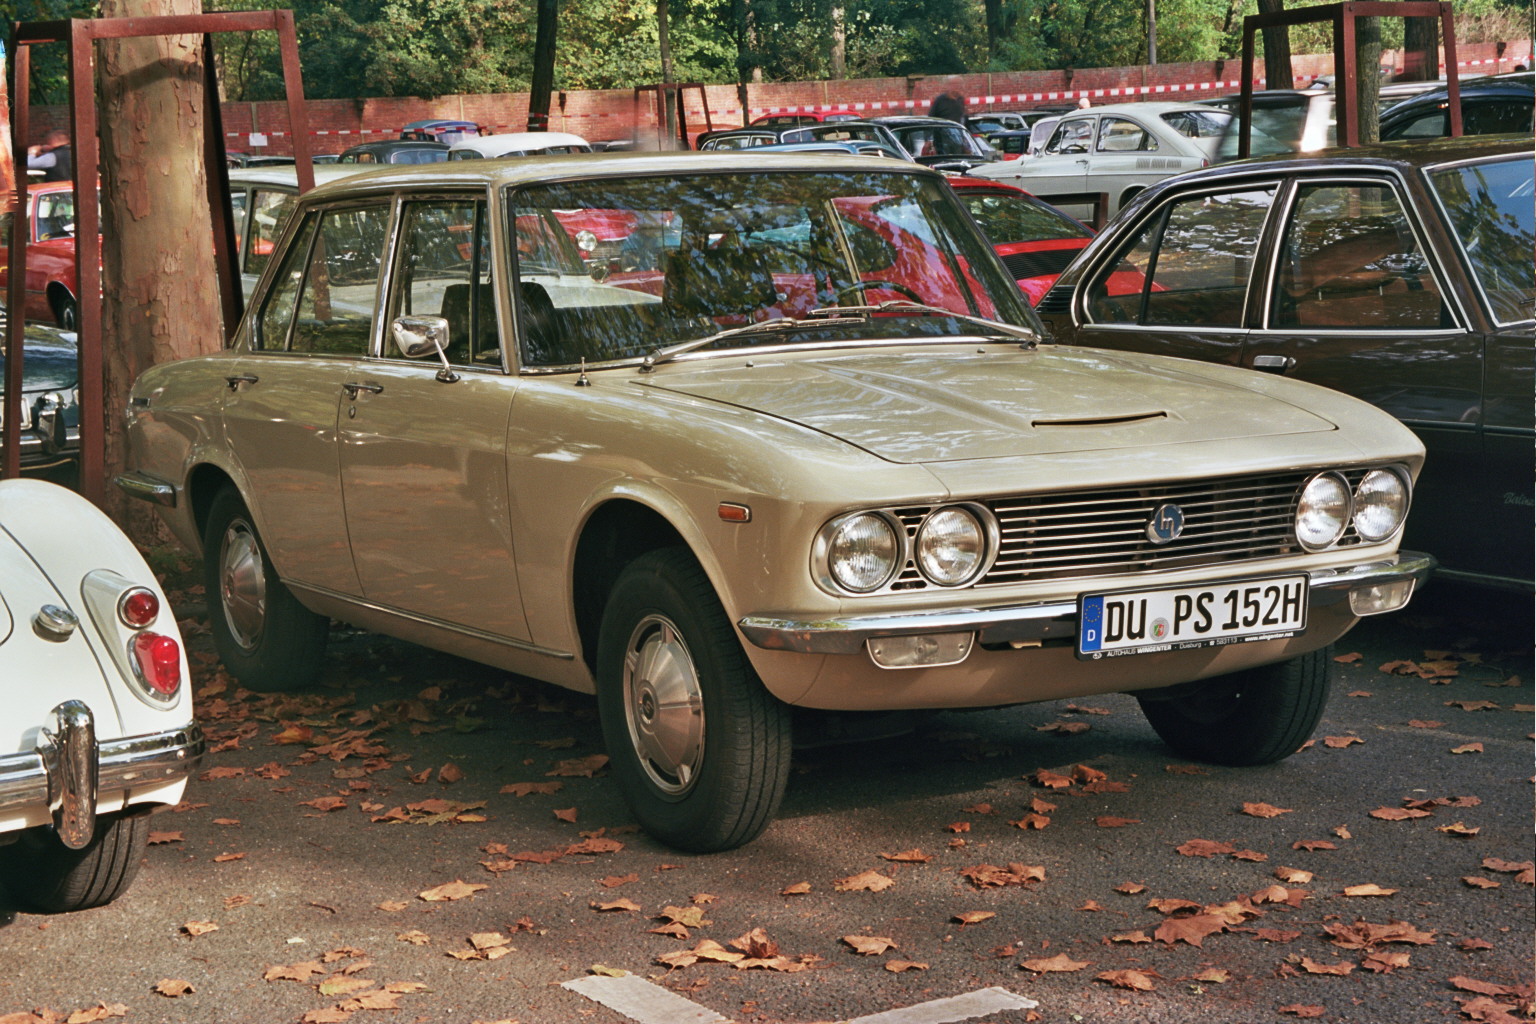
{"x": 811, "y": 452}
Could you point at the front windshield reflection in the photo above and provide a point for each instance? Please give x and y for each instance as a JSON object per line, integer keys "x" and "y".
{"x": 700, "y": 254}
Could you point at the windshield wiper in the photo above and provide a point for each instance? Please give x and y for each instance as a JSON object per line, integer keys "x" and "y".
{"x": 918, "y": 308}
{"x": 788, "y": 323}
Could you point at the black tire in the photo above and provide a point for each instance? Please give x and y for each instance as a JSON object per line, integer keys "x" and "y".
{"x": 266, "y": 638}
{"x": 1257, "y": 716}
{"x": 44, "y": 875}
{"x": 698, "y": 746}
{"x": 66, "y": 313}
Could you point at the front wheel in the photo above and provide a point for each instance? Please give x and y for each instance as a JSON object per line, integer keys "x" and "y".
{"x": 1257, "y": 716}
{"x": 698, "y": 746}
{"x": 46, "y": 876}
{"x": 263, "y": 634}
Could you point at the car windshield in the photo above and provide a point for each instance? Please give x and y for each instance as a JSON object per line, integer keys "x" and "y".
{"x": 1490, "y": 208}
{"x": 705, "y": 254}
{"x": 1008, "y": 217}
{"x": 1199, "y": 124}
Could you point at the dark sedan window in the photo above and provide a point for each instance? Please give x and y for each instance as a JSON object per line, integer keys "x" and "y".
{"x": 1350, "y": 261}
{"x": 1190, "y": 265}
{"x": 1490, "y": 208}
{"x": 1014, "y": 218}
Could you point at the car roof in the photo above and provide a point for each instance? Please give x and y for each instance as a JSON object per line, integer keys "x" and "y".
{"x": 1154, "y": 108}
{"x": 1407, "y": 155}
{"x": 287, "y": 174}
{"x": 532, "y": 170}
{"x": 496, "y": 145}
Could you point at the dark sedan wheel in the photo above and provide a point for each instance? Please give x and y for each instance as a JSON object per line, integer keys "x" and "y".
{"x": 44, "y": 875}
{"x": 1257, "y": 716}
{"x": 66, "y": 311}
{"x": 699, "y": 748}
{"x": 264, "y": 635}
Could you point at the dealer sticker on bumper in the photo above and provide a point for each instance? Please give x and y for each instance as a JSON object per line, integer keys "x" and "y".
{"x": 1184, "y": 618}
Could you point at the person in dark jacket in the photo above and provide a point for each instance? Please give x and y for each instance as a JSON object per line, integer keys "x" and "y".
{"x": 52, "y": 157}
{"x": 949, "y": 104}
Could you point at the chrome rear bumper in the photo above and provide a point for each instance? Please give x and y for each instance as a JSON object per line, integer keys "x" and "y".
{"x": 1032, "y": 622}
{"x": 69, "y": 768}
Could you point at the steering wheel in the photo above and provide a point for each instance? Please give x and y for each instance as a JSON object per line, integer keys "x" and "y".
{"x": 864, "y": 286}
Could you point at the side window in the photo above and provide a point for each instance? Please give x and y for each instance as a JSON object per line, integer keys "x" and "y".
{"x": 1117, "y": 135}
{"x": 1071, "y": 137}
{"x": 1430, "y": 125}
{"x": 1189, "y": 266}
{"x": 237, "y": 211}
{"x": 444, "y": 270}
{"x": 1495, "y": 117}
{"x": 1349, "y": 260}
{"x": 329, "y": 285}
{"x": 269, "y": 212}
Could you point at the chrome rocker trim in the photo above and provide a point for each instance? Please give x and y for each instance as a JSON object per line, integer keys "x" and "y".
{"x": 1030, "y": 622}
{"x": 69, "y": 768}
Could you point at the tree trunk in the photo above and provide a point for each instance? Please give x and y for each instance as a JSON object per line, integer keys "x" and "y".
{"x": 995, "y": 30}
{"x": 1421, "y": 50}
{"x": 160, "y": 297}
{"x": 666, "y": 105}
{"x": 543, "y": 66}
{"x": 1151, "y": 31}
{"x": 1368, "y": 77}
{"x": 1277, "y": 49}
{"x": 839, "y": 43}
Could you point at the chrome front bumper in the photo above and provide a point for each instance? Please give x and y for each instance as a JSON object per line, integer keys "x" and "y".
{"x": 1031, "y": 623}
{"x": 69, "y": 768}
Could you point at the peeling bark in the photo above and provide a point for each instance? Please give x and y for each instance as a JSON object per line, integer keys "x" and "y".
{"x": 160, "y": 297}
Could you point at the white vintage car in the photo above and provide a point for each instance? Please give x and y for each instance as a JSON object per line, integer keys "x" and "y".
{"x": 96, "y": 727}
{"x": 798, "y": 445}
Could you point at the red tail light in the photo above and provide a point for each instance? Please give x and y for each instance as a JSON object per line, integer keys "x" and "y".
{"x": 138, "y": 607}
{"x": 158, "y": 659}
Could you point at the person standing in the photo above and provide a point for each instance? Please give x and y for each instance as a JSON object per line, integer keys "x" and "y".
{"x": 949, "y": 104}
{"x": 53, "y": 157}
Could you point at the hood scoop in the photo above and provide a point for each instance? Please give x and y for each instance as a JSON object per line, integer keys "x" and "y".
{"x": 1101, "y": 421}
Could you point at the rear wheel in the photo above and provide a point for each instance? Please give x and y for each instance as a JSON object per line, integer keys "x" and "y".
{"x": 1257, "y": 716}
{"x": 263, "y": 634}
{"x": 698, "y": 746}
{"x": 66, "y": 311}
{"x": 44, "y": 875}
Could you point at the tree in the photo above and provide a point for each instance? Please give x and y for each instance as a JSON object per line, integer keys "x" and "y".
{"x": 543, "y": 66}
{"x": 157, "y": 242}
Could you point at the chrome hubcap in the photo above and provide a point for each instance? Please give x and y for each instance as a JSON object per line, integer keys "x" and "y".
{"x": 242, "y": 584}
{"x": 663, "y": 705}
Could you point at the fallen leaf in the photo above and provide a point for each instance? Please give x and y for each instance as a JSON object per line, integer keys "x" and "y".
{"x": 1061, "y": 963}
{"x": 1139, "y": 981}
{"x": 567, "y": 814}
{"x": 1369, "y": 889}
{"x": 415, "y": 938}
{"x": 688, "y": 917}
{"x": 1193, "y": 929}
{"x": 1340, "y": 742}
{"x": 1171, "y": 906}
{"x": 872, "y": 881}
{"x": 1365, "y": 935}
{"x": 908, "y": 857}
{"x": 157, "y": 838}
{"x": 101, "y": 1011}
{"x": 899, "y": 966}
{"x": 455, "y": 890}
{"x": 294, "y": 734}
{"x": 1468, "y": 748}
{"x": 393, "y": 906}
{"x": 983, "y": 875}
{"x": 225, "y": 858}
{"x": 174, "y": 987}
{"x": 1471, "y": 945}
{"x": 1064, "y": 728}
{"x": 1205, "y": 848}
{"x": 1314, "y": 845}
{"x": 1213, "y": 976}
{"x": 973, "y": 917}
{"x": 1031, "y": 821}
{"x": 1294, "y": 876}
{"x": 1459, "y": 829}
{"x": 1303, "y": 1010}
{"x": 798, "y": 889}
{"x": 614, "y": 881}
{"x": 1275, "y": 935}
{"x": 1132, "y": 937}
{"x": 1342, "y": 968}
{"x": 1417, "y": 723}
{"x": 1384, "y": 963}
{"x": 1265, "y": 810}
{"x": 869, "y": 945}
{"x": 1090, "y": 906}
{"x": 619, "y": 904}
{"x": 530, "y": 788}
{"x": 1109, "y": 822}
{"x": 196, "y": 928}
{"x": 977, "y": 809}
{"x": 1398, "y": 813}
{"x": 1348, "y": 659}
{"x": 1050, "y": 779}
{"x": 580, "y": 767}
{"x": 959, "y": 826}
{"x": 325, "y": 803}
{"x": 1130, "y": 888}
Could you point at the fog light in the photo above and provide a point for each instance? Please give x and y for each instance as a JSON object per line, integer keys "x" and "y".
{"x": 925, "y": 651}
{"x": 1382, "y": 597}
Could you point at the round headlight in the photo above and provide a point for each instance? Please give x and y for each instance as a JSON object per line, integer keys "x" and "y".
{"x": 951, "y": 546}
{"x": 586, "y": 241}
{"x": 1381, "y": 504}
{"x": 1323, "y": 510}
{"x": 863, "y": 552}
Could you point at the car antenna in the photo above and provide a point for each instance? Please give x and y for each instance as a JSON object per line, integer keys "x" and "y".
{"x": 582, "y": 381}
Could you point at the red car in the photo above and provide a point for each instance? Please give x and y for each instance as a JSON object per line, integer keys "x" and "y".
{"x": 50, "y": 254}
{"x": 1035, "y": 240}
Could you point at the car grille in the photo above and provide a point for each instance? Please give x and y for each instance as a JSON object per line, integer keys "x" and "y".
{"x": 1038, "y": 264}
{"x": 1103, "y": 532}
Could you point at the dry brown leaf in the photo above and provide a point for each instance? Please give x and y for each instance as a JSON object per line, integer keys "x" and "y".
{"x": 1468, "y": 748}
{"x": 1313, "y": 845}
{"x": 1138, "y": 981}
{"x": 450, "y": 773}
{"x": 196, "y": 928}
{"x": 225, "y": 858}
{"x": 619, "y": 904}
{"x": 1031, "y": 821}
{"x": 1342, "y": 968}
{"x": 1399, "y": 813}
{"x": 1193, "y": 929}
{"x": 1130, "y": 888}
{"x": 958, "y": 826}
{"x": 973, "y": 917}
{"x": 1419, "y": 723}
{"x": 614, "y": 881}
{"x": 415, "y": 938}
{"x": 872, "y": 881}
{"x": 977, "y": 809}
{"x": 1507, "y": 866}
{"x": 1261, "y": 810}
{"x": 688, "y": 917}
{"x": 1364, "y": 935}
{"x": 1132, "y": 937}
{"x": 455, "y": 890}
{"x": 1171, "y": 906}
{"x": 1369, "y": 889}
{"x": 325, "y": 803}
{"x": 869, "y": 945}
{"x": 580, "y": 767}
{"x": 1384, "y": 963}
{"x": 300, "y": 972}
{"x": 1050, "y": 779}
{"x": 1348, "y": 659}
{"x": 530, "y": 788}
{"x": 983, "y": 875}
{"x": 1205, "y": 848}
{"x": 101, "y": 1011}
{"x": 1106, "y": 821}
{"x": 1340, "y": 742}
{"x": 908, "y": 857}
{"x": 1061, "y": 963}
{"x": 1275, "y": 935}
{"x": 798, "y": 889}
{"x": 1295, "y": 876}
{"x": 158, "y": 838}
{"x": 174, "y": 987}
{"x": 899, "y": 966}
{"x": 1303, "y": 1010}
{"x": 566, "y": 814}
{"x": 1213, "y": 976}
{"x": 1459, "y": 829}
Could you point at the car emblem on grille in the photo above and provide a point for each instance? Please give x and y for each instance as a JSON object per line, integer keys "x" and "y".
{"x": 1166, "y": 524}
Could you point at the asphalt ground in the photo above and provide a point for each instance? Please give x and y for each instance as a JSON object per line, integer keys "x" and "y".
{"x": 1012, "y": 850}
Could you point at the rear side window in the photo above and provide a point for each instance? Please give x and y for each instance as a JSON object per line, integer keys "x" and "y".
{"x": 1490, "y": 209}
{"x": 325, "y": 296}
{"x": 1189, "y": 266}
{"x": 1349, "y": 260}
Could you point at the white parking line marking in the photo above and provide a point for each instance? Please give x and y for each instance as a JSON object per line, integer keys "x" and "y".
{"x": 943, "y": 1011}
{"x": 642, "y": 1001}
{"x": 639, "y": 1000}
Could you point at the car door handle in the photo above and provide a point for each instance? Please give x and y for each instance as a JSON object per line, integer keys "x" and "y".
{"x": 1274, "y": 364}
{"x": 352, "y": 388}
{"x": 240, "y": 378}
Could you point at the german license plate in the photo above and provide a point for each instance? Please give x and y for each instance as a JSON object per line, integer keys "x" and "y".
{"x": 1184, "y": 618}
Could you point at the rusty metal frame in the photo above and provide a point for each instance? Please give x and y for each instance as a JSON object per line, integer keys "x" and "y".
{"x": 81, "y": 35}
{"x": 665, "y": 94}
{"x": 1343, "y": 16}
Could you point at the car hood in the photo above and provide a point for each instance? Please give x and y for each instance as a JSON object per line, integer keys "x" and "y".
{"x": 938, "y": 407}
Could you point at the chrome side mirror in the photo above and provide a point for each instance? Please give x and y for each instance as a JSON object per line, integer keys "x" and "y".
{"x": 416, "y": 337}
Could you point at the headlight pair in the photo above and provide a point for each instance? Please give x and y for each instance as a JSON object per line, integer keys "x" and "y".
{"x": 1377, "y": 506}
{"x": 863, "y": 552}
